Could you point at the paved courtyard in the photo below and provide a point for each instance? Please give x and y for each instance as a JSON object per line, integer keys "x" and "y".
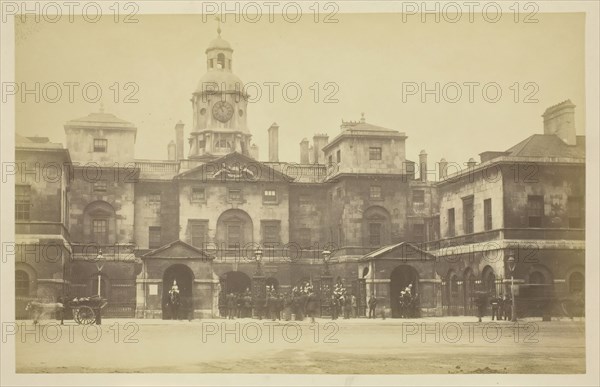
{"x": 356, "y": 346}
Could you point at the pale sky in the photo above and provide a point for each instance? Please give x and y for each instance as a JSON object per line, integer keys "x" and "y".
{"x": 369, "y": 57}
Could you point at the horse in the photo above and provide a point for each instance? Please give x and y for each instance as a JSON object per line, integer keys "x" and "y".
{"x": 173, "y": 303}
{"x": 40, "y": 309}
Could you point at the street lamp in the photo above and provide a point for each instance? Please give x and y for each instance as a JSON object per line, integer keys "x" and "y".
{"x": 512, "y": 264}
{"x": 99, "y": 258}
{"x": 258, "y": 253}
{"x": 326, "y": 257}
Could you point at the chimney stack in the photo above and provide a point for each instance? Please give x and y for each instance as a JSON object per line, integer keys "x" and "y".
{"x": 304, "y": 151}
{"x": 423, "y": 165}
{"x": 274, "y": 142}
{"x": 254, "y": 151}
{"x": 319, "y": 142}
{"x": 471, "y": 163}
{"x": 560, "y": 120}
{"x": 179, "y": 141}
{"x": 171, "y": 151}
{"x": 443, "y": 169}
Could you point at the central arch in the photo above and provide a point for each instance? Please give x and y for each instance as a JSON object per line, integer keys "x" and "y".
{"x": 185, "y": 280}
{"x": 235, "y": 282}
{"x": 400, "y": 278}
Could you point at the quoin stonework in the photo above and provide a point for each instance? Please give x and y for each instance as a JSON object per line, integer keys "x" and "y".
{"x": 206, "y": 216}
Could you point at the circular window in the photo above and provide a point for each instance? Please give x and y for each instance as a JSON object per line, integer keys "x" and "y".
{"x": 203, "y": 111}
{"x": 241, "y": 112}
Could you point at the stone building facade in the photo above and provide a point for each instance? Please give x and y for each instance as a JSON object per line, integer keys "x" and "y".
{"x": 132, "y": 227}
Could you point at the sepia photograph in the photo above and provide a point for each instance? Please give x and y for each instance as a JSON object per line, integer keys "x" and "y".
{"x": 299, "y": 193}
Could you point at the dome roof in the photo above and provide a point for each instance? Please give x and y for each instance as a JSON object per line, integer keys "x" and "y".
{"x": 220, "y": 77}
{"x": 220, "y": 44}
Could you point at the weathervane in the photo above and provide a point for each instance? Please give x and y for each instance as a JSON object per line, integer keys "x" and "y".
{"x": 218, "y": 19}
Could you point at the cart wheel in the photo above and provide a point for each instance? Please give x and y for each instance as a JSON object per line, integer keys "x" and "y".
{"x": 86, "y": 315}
{"x": 76, "y": 318}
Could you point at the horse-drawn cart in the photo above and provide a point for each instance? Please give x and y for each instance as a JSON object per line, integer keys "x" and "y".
{"x": 86, "y": 309}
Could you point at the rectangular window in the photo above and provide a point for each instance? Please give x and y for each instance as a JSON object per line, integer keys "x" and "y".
{"x": 418, "y": 196}
{"x": 375, "y": 192}
{"x": 305, "y": 237}
{"x": 100, "y": 186}
{"x": 338, "y": 192}
{"x": 374, "y": 153}
{"x": 375, "y": 234}
{"x": 270, "y": 196}
{"x": 535, "y": 210}
{"x": 270, "y": 231}
{"x": 338, "y": 155}
{"x": 234, "y": 236}
{"x": 154, "y": 198}
{"x": 304, "y": 199}
{"x": 419, "y": 232}
{"x": 451, "y": 223}
{"x": 198, "y": 234}
{"x": 22, "y": 202}
{"x": 487, "y": 214}
{"x": 154, "y": 239}
{"x": 100, "y": 231}
{"x": 235, "y": 195}
{"x": 468, "y": 214}
{"x": 575, "y": 212}
{"x": 100, "y": 144}
{"x": 198, "y": 194}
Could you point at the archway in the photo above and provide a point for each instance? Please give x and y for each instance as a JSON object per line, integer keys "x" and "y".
{"x": 400, "y": 278}
{"x": 469, "y": 292}
{"x": 452, "y": 294}
{"x": 235, "y": 282}
{"x": 185, "y": 280}
{"x": 488, "y": 280}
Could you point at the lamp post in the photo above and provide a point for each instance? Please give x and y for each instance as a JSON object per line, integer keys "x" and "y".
{"x": 259, "y": 291}
{"x": 258, "y": 253}
{"x": 326, "y": 285}
{"x": 99, "y": 258}
{"x": 512, "y": 264}
{"x": 326, "y": 257}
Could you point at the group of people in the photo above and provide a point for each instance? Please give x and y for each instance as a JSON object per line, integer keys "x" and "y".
{"x": 300, "y": 302}
{"x": 501, "y": 306}
{"x": 342, "y": 302}
{"x": 408, "y": 303}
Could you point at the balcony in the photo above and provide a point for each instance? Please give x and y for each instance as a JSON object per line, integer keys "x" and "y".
{"x": 150, "y": 169}
{"x": 42, "y": 228}
{"x": 509, "y": 234}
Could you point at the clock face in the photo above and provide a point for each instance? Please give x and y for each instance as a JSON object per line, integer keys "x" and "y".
{"x": 222, "y": 111}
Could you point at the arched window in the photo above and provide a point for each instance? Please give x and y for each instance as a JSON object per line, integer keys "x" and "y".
{"x": 576, "y": 282}
{"x": 21, "y": 283}
{"x": 537, "y": 278}
{"x": 221, "y": 61}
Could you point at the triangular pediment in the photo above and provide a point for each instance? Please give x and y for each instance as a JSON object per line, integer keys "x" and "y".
{"x": 234, "y": 167}
{"x": 178, "y": 250}
{"x": 404, "y": 251}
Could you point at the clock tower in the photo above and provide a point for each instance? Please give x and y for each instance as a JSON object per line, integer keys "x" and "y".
{"x": 219, "y": 106}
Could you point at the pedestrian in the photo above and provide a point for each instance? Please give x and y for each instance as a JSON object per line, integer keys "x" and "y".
{"x": 372, "y": 305}
{"x": 495, "y": 303}
{"x": 480, "y": 302}
{"x": 507, "y": 307}
{"x": 311, "y": 306}
{"x": 231, "y": 306}
{"x": 354, "y": 306}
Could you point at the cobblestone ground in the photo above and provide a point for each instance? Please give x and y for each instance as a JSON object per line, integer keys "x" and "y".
{"x": 355, "y": 346}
